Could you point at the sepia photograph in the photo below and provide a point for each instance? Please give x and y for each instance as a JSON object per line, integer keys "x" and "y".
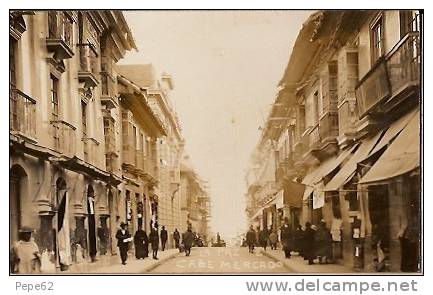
{"x": 215, "y": 142}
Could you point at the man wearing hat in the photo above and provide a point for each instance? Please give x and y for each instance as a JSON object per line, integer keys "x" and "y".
{"x": 123, "y": 238}
{"x": 25, "y": 254}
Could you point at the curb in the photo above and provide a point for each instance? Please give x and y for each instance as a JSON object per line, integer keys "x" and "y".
{"x": 159, "y": 262}
{"x": 267, "y": 254}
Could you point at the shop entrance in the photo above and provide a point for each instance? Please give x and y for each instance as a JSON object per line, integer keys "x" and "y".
{"x": 378, "y": 206}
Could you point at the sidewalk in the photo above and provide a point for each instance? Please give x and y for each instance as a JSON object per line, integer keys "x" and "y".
{"x": 297, "y": 264}
{"x": 112, "y": 265}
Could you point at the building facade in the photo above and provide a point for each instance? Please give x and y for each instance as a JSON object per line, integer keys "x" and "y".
{"x": 168, "y": 147}
{"x": 195, "y": 201}
{"x": 346, "y": 129}
{"x": 60, "y": 184}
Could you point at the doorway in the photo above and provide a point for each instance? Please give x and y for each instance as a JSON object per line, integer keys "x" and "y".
{"x": 91, "y": 223}
{"x": 17, "y": 182}
{"x": 378, "y": 206}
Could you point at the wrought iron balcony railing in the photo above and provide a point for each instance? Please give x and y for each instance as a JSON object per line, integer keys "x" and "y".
{"x": 22, "y": 110}
{"x": 63, "y": 135}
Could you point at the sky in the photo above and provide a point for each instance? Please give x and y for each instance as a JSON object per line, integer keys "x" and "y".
{"x": 226, "y": 66}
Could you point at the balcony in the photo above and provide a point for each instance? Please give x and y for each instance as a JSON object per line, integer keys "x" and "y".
{"x": 392, "y": 79}
{"x": 111, "y": 162}
{"x": 373, "y": 88}
{"x": 108, "y": 87}
{"x": 88, "y": 66}
{"x": 314, "y": 137}
{"x": 139, "y": 161}
{"x": 328, "y": 127}
{"x": 22, "y": 110}
{"x": 284, "y": 169}
{"x": 60, "y": 35}
{"x": 403, "y": 64}
{"x": 347, "y": 119}
{"x": 63, "y": 135}
{"x": 90, "y": 149}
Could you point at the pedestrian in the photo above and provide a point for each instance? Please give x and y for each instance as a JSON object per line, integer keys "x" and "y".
{"x": 103, "y": 236}
{"x": 154, "y": 240}
{"x": 123, "y": 238}
{"x": 164, "y": 237}
{"x": 323, "y": 243}
{"x": 286, "y": 238}
{"x": 263, "y": 238}
{"x": 257, "y": 244}
{"x": 141, "y": 243}
{"x": 25, "y": 257}
{"x": 251, "y": 239}
{"x": 409, "y": 242}
{"x": 187, "y": 240}
{"x": 273, "y": 240}
{"x": 298, "y": 240}
{"x": 176, "y": 238}
{"x": 308, "y": 243}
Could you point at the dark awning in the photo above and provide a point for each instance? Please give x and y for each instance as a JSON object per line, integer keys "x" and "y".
{"x": 394, "y": 129}
{"x": 315, "y": 176}
{"x": 401, "y": 157}
{"x": 347, "y": 171}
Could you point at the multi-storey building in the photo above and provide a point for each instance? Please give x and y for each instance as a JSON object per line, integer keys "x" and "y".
{"x": 61, "y": 184}
{"x": 138, "y": 129}
{"x": 169, "y": 147}
{"x": 195, "y": 201}
{"x": 349, "y": 102}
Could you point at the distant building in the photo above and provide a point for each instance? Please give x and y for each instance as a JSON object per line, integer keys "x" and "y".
{"x": 165, "y": 196}
{"x": 195, "y": 200}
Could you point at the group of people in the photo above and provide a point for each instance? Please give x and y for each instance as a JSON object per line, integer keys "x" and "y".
{"x": 142, "y": 240}
{"x": 310, "y": 242}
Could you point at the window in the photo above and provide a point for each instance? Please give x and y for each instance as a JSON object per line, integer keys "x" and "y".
{"x": 377, "y": 39}
{"x": 13, "y": 82}
{"x": 143, "y": 144}
{"x": 84, "y": 118}
{"x": 316, "y": 106}
{"x": 54, "y": 88}
{"x": 55, "y": 110}
{"x": 409, "y": 22}
{"x": 12, "y": 63}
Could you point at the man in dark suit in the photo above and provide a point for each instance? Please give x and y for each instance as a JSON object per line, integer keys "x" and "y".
{"x": 164, "y": 237}
{"x": 123, "y": 239}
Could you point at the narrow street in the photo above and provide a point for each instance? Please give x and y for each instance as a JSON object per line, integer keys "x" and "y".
{"x": 220, "y": 261}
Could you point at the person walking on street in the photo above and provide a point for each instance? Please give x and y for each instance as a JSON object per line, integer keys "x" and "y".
{"x": 141, "y": 243}
{"x": 273, "y": 240}
{"x": 154, "y": 240}
{"x": 123, "y": 238}
{"x": 298, "y": 240}
{"x": 251, "y": 239}
{"x": 323, "y": 242}
{"x": 25, "y": 257}
{"x": 176, "y": 237}
{"x": 188, "y": 239}
{"x": 287, "y": 238}
{"x": 263, "y": 238}
{"x": 308, "y": 243}
{"x": 164, "y": 237}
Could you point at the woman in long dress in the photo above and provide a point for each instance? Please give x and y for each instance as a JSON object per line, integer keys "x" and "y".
{"x": 141, "y": 243}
